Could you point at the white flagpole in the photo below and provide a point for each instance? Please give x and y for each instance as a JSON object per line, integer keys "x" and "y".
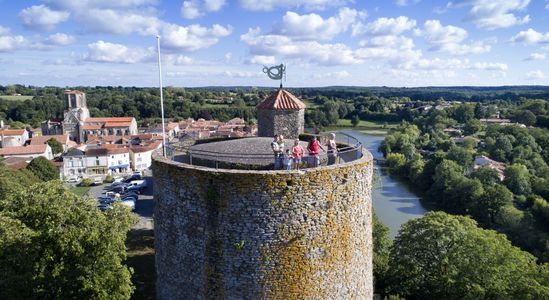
{"x": 161, "y": 97}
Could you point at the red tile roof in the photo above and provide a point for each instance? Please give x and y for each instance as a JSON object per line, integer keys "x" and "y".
{"x": 61, "y": 138}
{"x": 91, "y": 126}
{"x": 111, "y": 119}
{"x": 16, "y": 163}
{"x": 12, "y": 131}
{"x": 146, "y": 147}
{"x": 31, "y": 149}
{"x": 118, "y": 124}
{"x": 281, "y": 99}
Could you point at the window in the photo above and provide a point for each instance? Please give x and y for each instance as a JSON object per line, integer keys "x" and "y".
{"x": 139, "y": 159}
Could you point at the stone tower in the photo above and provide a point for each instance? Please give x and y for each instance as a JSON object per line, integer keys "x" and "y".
{"x": 281, "y": 113}
{"x": 241, "y": 234}
{"x": 76, "y": 112}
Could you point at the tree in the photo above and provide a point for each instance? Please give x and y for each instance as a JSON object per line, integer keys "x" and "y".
{"x": 56, "y": 245}
{"x": 440, "y": 256}
{"x": 526, "y": 117}
{"x": 461, "y": 156}
{"x": 43, "y": 169}
{"x": 355, "y": 120}
{"x": 490, "y": 203}
{"x": 517, "y": 179}
{"x": 56, "y": 146}
{"x": 472, "y": 126}
{"x": 395, "y": 162}
{"x": 382, "y": 249}
{"x": 486, "y": 175}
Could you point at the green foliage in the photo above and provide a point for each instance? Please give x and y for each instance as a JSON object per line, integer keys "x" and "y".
{"x": 382, "y": 248}
{"x": 43, "y": 169}
{"x": 108, "y": 179}
{"x": 56, "y": 147}
{"x": 517, "y": 179}
{"x": 395, "y": 162}
{"x": 461, "y": 156}
{"x": 490, "y": 203}
{"x": 440, "y": 256}
{"x": 63, "y": 246}
{"x": 85, "y": 182}
{"x": 472, "y": 126}
{"x": 526, "y": 117}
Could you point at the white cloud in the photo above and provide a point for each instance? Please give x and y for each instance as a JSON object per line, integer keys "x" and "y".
{"x": 312, "y": 26}
{"x": 11, "y": 43}
{"x": 490, "y": 66}
{"x": 86, "y": 4}
{"x": 42, "y": 17}
{"x": 60, "y": 39}
{"x": 534, "y": 75}
{"x": 196, "y": 8}
{"x": 384, "y": 26}
{"x": 4, "y": 30}
{"x": 449, "y": 39}
{"x": 311, "y": 51}
{"x": 101, "y": 51}
{"x": 262, "y": 60}
{"x": 536, "y": 56}
{"x": 182, "y": 60}
{"x": 332, "y": 75}
{"x": 267, "y": 5}
{"x": 395, "y": 49}
{"x": 119, "y": 22}
{"x": 227, "y": 57}
{"x": 494, "y": 14}
{"x": 406, "y": 2}
{"x": 193, "y": 37}
{"x": 531, "y": 36}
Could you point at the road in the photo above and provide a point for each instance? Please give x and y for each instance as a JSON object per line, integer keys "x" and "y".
{"x": 143, "y": 207}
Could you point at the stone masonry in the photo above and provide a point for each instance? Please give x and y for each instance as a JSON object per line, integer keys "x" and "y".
{"x": 235, "y": 234}
{"x": 289, "y": 123}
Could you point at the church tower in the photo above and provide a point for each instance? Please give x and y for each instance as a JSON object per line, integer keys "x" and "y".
{"x": 76, "y": 112}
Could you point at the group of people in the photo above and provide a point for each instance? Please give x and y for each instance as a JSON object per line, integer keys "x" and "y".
{"x": 291, "y": 158}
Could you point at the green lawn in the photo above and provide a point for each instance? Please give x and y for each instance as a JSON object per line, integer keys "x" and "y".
{"x": 16, "y": 98}
{"x": 310, "y": 104}
{"x": 80, "y": 190}
{"x": 367, "y": 124}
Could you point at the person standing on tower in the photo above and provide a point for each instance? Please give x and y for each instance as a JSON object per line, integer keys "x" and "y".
{"x": 276, "y": 151}
{"x": 332, "y": 149}
{"x": 312, "y": 148}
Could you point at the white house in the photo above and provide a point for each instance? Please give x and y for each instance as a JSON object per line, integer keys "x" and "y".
{"x": 118, "y": 159}
{"x": 74, "y": 163}
{"x": 13, "y": 137}
{"x": 141, "y": 155}
{"x": 31, "y": 151}
{"x": 96, "y": 161}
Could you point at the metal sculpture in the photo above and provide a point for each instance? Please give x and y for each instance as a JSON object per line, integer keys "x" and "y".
{"x": 276, "y": 72}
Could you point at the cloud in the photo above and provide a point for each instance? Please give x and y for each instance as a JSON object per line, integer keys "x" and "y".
{"x": 395, "y": 49}
{"x": 227, "y": 57}
{"x": 42, "y": 17}
{"x": 406, "y": 2}
{"x": 60, "y": 39}
{"x": 535, "y": 75}
{"x": 4, "y": 30}
{"x": 530, "y": 37}
{"x": 449, "y": 39}
{"x": 181, "y": 60}
{"x": 332, "y": 75}
{"x": 262, "y": 60}
{"x": 312, "y": 26}
{"x": 384, "y": 26}
{"x": 494, "y": 14}
{"x": 311, "y": 51}
{"x": 268, "y": 5}
{"x": 197, "y": 8}
{"x": 490, "y": 66}
{"x": 536, "y": 56}
{"x": 10, "y": 43}
{"x": 193, "y": 37}
{"x": 101, "y": 51}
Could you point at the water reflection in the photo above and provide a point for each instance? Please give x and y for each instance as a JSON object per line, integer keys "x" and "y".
{"x": 393, "y": 201}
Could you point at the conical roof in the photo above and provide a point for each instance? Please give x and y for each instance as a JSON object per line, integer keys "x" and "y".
{"x": 281, "y": 99}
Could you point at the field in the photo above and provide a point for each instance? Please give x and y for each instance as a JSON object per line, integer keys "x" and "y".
{"x": 80, "y": 190}
{"x": 16, "y": 98}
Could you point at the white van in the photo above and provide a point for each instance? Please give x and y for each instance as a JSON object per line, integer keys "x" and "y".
{"x": 138, "y": 183}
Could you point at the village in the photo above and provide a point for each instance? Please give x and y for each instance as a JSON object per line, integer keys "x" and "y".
{"x": 82, "y": 147}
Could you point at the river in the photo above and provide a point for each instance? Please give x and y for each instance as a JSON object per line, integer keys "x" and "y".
{"x": 393, "y": 201}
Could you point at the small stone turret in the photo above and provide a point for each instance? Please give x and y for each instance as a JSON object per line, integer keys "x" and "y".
{"x": 281, "y": 113}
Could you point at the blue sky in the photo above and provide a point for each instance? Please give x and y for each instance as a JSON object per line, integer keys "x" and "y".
{"x": 322, "y": 42}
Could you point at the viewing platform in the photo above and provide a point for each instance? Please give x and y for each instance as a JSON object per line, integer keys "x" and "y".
{"x": 254, "y": 153}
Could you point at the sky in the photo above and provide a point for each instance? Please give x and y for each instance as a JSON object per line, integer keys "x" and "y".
{"x": 321, "y": 42}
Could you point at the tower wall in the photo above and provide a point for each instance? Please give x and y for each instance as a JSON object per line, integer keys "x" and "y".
{"x": 289, "y": 123}
{"x": 234, "y": 234}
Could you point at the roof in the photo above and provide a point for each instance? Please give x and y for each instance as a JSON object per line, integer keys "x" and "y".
{"x": 12, "y": 131}
{"x": 31, "y": 149}
{"x": 73, "y": 92}
{"x": 16, "y": 163}
{"x": 61, "y": 138}
{"x": 118, "y": 124}
{"x": 281, "y": 99}
{"x": 110, "y": 119}
{"x": 96, "y": 151}
{"x": 91, "y": 126}
{"x": 144, "y": 148}
{"x": 74, "y": 152}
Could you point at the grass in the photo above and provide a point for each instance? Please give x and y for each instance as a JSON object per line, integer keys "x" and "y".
{"x": 214, "y": 105}
{"x": 368, "y": 124}
{"x": 80, "y": 190}
{"x": 16, "y": 98}
{"x": 140, "y": 245}
{"x": 310, "y": 104}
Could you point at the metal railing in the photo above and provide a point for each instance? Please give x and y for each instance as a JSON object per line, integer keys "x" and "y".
{"x": 349, "y": 149}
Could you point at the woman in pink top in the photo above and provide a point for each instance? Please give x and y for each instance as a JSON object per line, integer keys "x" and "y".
{"x": 297, "y": 154}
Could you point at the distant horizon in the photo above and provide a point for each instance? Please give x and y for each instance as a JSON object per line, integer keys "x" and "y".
{"x": 284, "y": 86}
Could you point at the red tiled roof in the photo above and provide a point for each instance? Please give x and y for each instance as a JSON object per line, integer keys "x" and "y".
{"x": 61, "y": 138}
{"x": 31, "y": 149}
{"x": 118, "y": 124}
{"x": 111, "y": 119}
{"x": 146, "y": 147}
{"x": 281, "y": 99}
{"x": 91, "y": 126}
{"x": 12, "y": 131}
{"x": 16, "y": 163}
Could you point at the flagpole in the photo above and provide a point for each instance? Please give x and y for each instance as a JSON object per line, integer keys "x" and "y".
{"x": 161, "y": 97}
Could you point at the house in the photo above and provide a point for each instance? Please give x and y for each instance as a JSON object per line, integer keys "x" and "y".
{"x": 141, "y": 155}
{"x": 172, "y": 130}
{"x": 16, "y": 163}
{"x": 96, "y": 161}
{"x": 118, "y": 158}
{"x": 74, "y": 163}
{"x": 31, "y": 151}
{"x": 484, "y": 161}
{"x": 13, "y": 137}
{"x": 63, "y": 139}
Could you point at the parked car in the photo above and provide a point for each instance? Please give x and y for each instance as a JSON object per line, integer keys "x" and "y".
{"x": 117, "y": 180}
{"x": 105, "y": 200}
{"x": 73, "y": 179}
{"x": 119, "y": 189}
{"x": 130, "y": 195}
{"x": 129, "y": 202}
{"x": 104, "y": 206}
{"x": 97, "y": 181}
{"x": 116, "y": 184}
{"x": 135, "y": 189}
{"x": 132, "y": 178}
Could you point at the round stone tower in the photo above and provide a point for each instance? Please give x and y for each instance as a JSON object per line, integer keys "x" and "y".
{"x": 280, "y": 113}
{"x": 240, "y": 234}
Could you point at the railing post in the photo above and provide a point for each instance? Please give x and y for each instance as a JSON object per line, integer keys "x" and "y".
{"x": 190, "y": 158}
